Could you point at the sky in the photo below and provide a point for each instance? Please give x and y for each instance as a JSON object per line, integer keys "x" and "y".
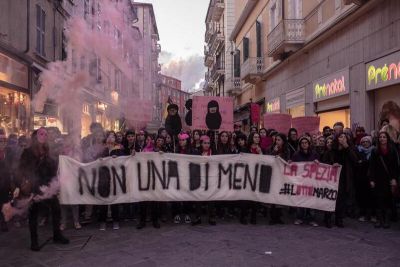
{"x": 181, "y": 27}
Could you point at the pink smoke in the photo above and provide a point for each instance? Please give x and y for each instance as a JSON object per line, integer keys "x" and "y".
{"x": 19, "y": 207}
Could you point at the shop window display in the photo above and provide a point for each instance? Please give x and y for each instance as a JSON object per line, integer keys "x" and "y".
{"x": 14, "y": 111}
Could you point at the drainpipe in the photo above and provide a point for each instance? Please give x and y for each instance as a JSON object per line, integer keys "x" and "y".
{"x": 27, "y": 26}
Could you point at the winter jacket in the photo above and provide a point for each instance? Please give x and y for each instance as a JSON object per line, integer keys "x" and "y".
{"x": 301, "y": 156}
{"x": 380, "y": 175}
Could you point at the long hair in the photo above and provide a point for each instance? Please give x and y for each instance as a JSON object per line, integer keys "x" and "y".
{"x": 38, "y": 148}
{"x": 250, "y": 141}
{"x": 389, "y": 141}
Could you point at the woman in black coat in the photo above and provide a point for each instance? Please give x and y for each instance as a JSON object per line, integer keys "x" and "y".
{"x": 37, "y": 168}
{"x": 344, "y": 154}
{"x": 384, "y": 171}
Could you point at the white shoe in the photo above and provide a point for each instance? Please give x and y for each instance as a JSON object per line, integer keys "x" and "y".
{"x": 102, "y": 227}
{"x": 298, "y": 222}
{"x": 115, "y": 226}
{"x": 362, "y": 219}
{"x": 177, "y": 219}
{"x": 62, "y": 227}
{"x": 374, "y": 220}
{"x": 77, "y": 226}
{"x": 188, "y": 219}
{"x": 314, "y": 224}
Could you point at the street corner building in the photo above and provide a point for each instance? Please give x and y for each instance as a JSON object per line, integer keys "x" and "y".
{"x": 336, "y": 59}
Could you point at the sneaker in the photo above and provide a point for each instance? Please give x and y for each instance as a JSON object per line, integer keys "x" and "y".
{"x": 77, "y": 226}
{"x": 187, "y": 219}
{"x": 373, "y": 219}
{"x": 102, "y": 226}
{"x": 298, "y": 222}
{"x": 62, "y": 227}
{"x": 177, "y": 219}
{"x": 362, "y": 219}
{"x": 314, "y": 224}
{"x": 115, "y": 226}
{"x": 17, "y": 224}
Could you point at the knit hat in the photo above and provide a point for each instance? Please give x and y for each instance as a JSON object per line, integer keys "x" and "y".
{"x": 183, "y": 136}
{"x": 366, "y": 139}
{"x": 304, "y": 137}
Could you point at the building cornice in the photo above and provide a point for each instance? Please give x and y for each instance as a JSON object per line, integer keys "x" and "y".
{"x": 242, "y": 19}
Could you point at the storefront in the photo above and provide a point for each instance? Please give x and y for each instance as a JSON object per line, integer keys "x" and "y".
{"x": 332, "y": 99}
{"x": 383, "y": 83}
{"x": 295, "y": 103}
{"x": 14, "y": 96}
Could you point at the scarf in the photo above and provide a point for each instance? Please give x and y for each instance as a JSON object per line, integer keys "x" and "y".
{"x": 365, "y": 151}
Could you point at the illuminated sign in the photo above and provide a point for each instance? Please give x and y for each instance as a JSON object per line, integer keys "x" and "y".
{"x": 273, "y": 106}
{"x": 383, "y": 72}
{"x": 333, "y": 85}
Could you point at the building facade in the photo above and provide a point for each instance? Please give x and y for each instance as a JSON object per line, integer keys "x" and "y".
{"x": 31, "y": 34}
{"x": 332, "y": 58}
{"x": 149, "y": 78}
{"x": 218, "y": 50}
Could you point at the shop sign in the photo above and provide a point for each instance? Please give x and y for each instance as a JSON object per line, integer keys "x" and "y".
{"x": 383, "y": 72}
{"x": 333, "y": 85}
{"x": 273, "y": 106}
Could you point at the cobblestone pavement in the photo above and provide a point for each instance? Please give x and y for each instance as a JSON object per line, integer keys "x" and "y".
{"x": 227, "y": 244}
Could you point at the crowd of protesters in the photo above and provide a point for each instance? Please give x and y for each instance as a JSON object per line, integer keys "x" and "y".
{"x": 367, "y": 186}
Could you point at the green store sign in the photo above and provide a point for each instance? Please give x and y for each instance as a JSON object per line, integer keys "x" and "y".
{"x": 383, "y": 72}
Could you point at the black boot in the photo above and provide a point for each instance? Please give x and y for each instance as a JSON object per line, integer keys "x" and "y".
{"x": 35, "y": 245}
{"x": 212, "y": 221}
{"x": 156, "y": 224}
{"x": 141, "y": 225}
{"x": 60, "y": 239}
{"x": 339, "y": 222}
{"x": 197, "y": 221}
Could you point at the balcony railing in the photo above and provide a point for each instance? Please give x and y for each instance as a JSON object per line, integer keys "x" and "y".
{"x": 217, "y": 70}
{"x": 234, "y": 86}
{"x": 252, "y": 67}
{"x": 287, "y": 33}
{"x": 216, "y": 39}
{"x": 218, "y": 9}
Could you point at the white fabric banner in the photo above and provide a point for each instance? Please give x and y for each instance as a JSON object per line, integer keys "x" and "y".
{"x": 174, "y": 177}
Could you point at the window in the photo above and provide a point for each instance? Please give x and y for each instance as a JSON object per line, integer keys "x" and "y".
{"x": 258, "y": 32}
{"x": 40, "y": 30}
{"x": 86, "y": 9}
{"x": 319, "y": 15}
{"x": 64, "y": 53}
{"x": 236, "y": 63}
{"x": 272, "y": 16}
{"x": 295, "y": 9}
{"x": 117, "y": 81}
{"x": 246, "y": 48}
{"x": 338, "y": 4}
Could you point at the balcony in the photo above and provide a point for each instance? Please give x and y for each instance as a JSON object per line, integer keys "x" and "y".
{"x": 208, "y": 58}
{"x": 216, "y": 40}
{"x": 218, "y": 9}
{"x": 286, "y": 37}
{"x": 234, "y": 86}
{"x": 252, "y": 69}
{"x": 217, "y": 70}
